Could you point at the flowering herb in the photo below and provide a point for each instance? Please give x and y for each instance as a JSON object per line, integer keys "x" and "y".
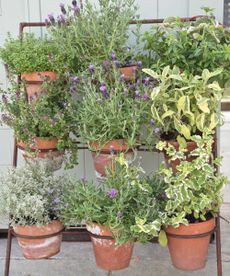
{"x": 112, "y": 193}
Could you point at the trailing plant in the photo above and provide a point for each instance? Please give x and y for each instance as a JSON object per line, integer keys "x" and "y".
{"x": 50, "y": 117}
{"x": 29, "y": 54}
{"x": 185, "y": 104}
{"x": 91, "y": 34}
{"x": 31, "y": 195}
{"x": 125, "y": 197}
{"x": 111, "y": 108}
{"x": 191, "y": 46}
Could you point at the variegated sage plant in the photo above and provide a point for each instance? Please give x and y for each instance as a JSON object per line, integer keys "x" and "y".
{"x": 185, "y": 104}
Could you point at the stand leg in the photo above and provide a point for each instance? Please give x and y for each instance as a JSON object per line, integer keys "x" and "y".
{"x": 15, "y": 156}
{"x": 218, "y": 247}
{"x": 8, "y": 252}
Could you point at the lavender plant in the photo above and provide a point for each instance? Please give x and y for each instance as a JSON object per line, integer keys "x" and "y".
{"x": 91, "y": 34}
{"x": 126, "y": 197}
{"x": 31, "y": 195}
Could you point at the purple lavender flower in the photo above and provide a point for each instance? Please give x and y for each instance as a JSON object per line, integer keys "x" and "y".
{"x": 55, "y": 210}
{"x": 75, "y": 79}
{"x": 74, "y": 3}
{"x": 76, "y": 10}
{"x": 157, "y": 130}
{"x": 61, "y": 19}
{"x": 114, "y": 57}
{"x": 112, "y": 193}
{"x": 91, "y": 68}
{"x": 103, "y": 90}
{"x": 51, "y": 18}
{"x": 146, "y": 81}
{"x": 106, "y": 65}
{"x": 6, "y": 119}
{"x": 57, "y": 200}
{"x": 116, "y": 63}
{"x": 139, "y": 64}
{"x": 62, "y": 7}
{"x": 146, "y": 96}
{"x": 132, "y": 87}
{"x": 152, "y": 122}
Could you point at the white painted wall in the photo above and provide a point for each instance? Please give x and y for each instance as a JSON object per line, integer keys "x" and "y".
{"x": 13, "y": 12}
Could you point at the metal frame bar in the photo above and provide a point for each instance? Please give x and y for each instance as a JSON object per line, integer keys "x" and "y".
{"x": 82, "y": 234}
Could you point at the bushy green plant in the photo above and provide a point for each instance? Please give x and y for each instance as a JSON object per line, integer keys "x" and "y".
{"x": 191, "y": 46}
{"x": 49, "y": 117}
{"x": 31, "y": 195}
{"x": 185, "y": 104}
{"x": 28, "y": 54}
{"x": 91, "y": 34}
{"x": 125, "y": 198}
{"x": 194, "y": 190}
{"x": 111, "y": 108}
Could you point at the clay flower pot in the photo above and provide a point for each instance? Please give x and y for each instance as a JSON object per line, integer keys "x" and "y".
{"x": 129, "y": 72}
{"x": 174, "y": 163}
{"x": 109, "y": 256}
{"x": 103, "y": 155}
{"x": 43, "y": 149}
{"x": 190, "y": 254}
{"x": 43, "y": 247}
{"x": 34, "y": 81}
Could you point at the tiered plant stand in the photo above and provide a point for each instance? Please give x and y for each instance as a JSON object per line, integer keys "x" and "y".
{"x": 79, "y": 233}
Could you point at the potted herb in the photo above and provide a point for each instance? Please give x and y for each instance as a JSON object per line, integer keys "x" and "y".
{"x": 111, "y": 113}
{"x": 191, "y": 46}
{"x": 31, "y": 196}
{"x": 184, "y": 105}
{"x": 193, "y": 199}
{"x": 42, "y": 129}
{"x": 92, "y": 34}
{"x": 111, "y": 211}
{"x": 31, "y": 57}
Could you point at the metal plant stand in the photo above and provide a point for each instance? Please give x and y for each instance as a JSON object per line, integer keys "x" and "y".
{"x": 79, "y": 233}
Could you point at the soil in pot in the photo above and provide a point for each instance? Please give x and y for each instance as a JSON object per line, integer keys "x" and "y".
{"x": 34, "y": 81}
{"x": 186, "y": 253}
{"x": 103, "y": 156}
{"x": 41, "y": 248}
{"x": 109, "y": 256}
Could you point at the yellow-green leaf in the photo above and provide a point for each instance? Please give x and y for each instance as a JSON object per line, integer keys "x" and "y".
{"x": 163, "y": 238}
{"x": 150, "y": 73}
{"x": 203, "y": 105}
{"x": 186, "y": 132}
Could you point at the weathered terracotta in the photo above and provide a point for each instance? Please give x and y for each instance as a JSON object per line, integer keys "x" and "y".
{"x": 54, "y": 156}
{"x": 34, "y": 82}
{"x": 40, "y": 248}
{"x": 190, "y": 254}
{"x": 174, "y": 163}
{"x": 129, "y": 72}
{"x": 103, "y": 155}
{"x": 109, "y": 256}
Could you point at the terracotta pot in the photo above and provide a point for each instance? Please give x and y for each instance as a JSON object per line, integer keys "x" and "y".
{"x": 174, "y": 163}
{"x": 129, "y": 72}
{"x": 190, "y": 253}
{"x": 54, "y": 156}
{"x": 109, "y": 256}
{"x": 34, "y": 82}
{"x": 41, "y": 248}
{"x": 103, "y": 155}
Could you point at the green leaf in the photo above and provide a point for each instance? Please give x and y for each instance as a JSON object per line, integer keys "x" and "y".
{"x": 151, "y": 73}
{"x": 186, "y": 132}
{"x": 181, "y": 103}
{"x": 203, "y": 105}
{"x": 200, "y": 121}
{"x": 167, "y": 114}
{"x": 214, "y": 121}
{"x": 182, "y": 142}
{"x": 163, "y": 238}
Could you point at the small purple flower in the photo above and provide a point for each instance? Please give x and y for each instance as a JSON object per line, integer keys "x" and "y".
{"x": 56, "y": 201}
{"x": 18, "y": 94}
{"x": 106, "y": 65}
{"x": 146, "y": 96}
{"x": 146, "y": 81}
{"x": 74, "y": 3}
{"x": 132, "y": 87}
{"x": 62, "y": 7}
{"x": 6, "y": 119}
{"x": 114, "y": 57}
{"x": 91, "y": 68}
{"x": 116, "y": 63}
{"x": 61, "y": 19}
{"x": 75, "y": 79}
{"x": 137, "y": 94}
{"x": 51, "y": 18}
{"x": 103, "y": 90}
{"x": 55, "y": 210}
{"x": 139, "y": 64}
{"x": 76, "y": 10}
{"x": 152, "y": 122}
{"x": 73, "y": 89}
{"x": 112, "y": 193}
{"x": 157, "y": 130}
